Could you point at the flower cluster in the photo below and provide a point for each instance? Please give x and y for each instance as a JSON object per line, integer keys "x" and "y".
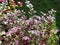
{"x": 16, "y": 29}
{"x": 31, "y": 9}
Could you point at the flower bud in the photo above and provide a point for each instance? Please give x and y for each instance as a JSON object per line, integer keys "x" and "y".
{"x": 5, "y": 11}
{"x": 20, "y": 3}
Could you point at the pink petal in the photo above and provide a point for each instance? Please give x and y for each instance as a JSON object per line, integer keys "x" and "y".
{"x": 9, "y": 32}
{"x": 3, "y": 0}
{"x": 16, "y": 42}
{"x": 20, "y": 3}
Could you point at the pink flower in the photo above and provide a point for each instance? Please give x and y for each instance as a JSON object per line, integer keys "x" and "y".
{"x": 2, "y": 0}
{"x": 43, "y": 18}
{"x": 20, "y": 3}
{"x": 14, "y": 29}
{"x": 9, "y": 32}
{"x": 50, "y": 18}
{"x": 54, "y": 31}
{"x": 42, "y": 33}
{"x": 13, "y": 5}
{"x": 43, "y": 44}
{"x": 34, "y": 32}
{"x": 27, "y": 22}
{"x": 12, "y": 1}
{"x": 26, "y": 38}
{"x": 16, "y": 42}
{"x": 5, "y": 11}
{"x": 31, "y": 21}
{"x": 19, "y": 27}
{"x": 12, "y": 20}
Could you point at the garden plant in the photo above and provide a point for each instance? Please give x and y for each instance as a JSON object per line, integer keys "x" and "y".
{"x": 17, "y": 29}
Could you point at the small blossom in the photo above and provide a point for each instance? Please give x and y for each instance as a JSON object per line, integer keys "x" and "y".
{"x": 23, "y": 17}
{"x": 27, "y": 2}
{"x": 5, "y": 22}
{"x": 31, "y": 21}
{"x": 20, "y": 3}
{"x": 54, "y": 31}
{"x": 9, "y": 32}
{"x": 16, "y": 42}
{"x": 53, "y": 10}
{"x": 43, "y": 34}
{"x": 35, "y": 21}
{"x": 13, "y": 5}
{"x": 43, "y": 13}
{"x": 26, "y": 38}
{"x": 5, "y": 11}
{"x": 12, "y": 20}
{"x": 12, "y": 1}
{"x": 43, "y": 18}
{"x": 50, "y": 18}
{"x": 35, "y": 32}
{"x": 2, "y": 0}
{"x": 29, "y": 6}
{"x": 14, "y": 29}
{"x": 2, "y": 33}
{"x": 43, "y": 44}
{"x": 37, "y": 17}
{"x": 27, "y": 22}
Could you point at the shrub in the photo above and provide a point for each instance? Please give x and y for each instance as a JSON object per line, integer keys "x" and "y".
{"x": 17, "y": 29}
